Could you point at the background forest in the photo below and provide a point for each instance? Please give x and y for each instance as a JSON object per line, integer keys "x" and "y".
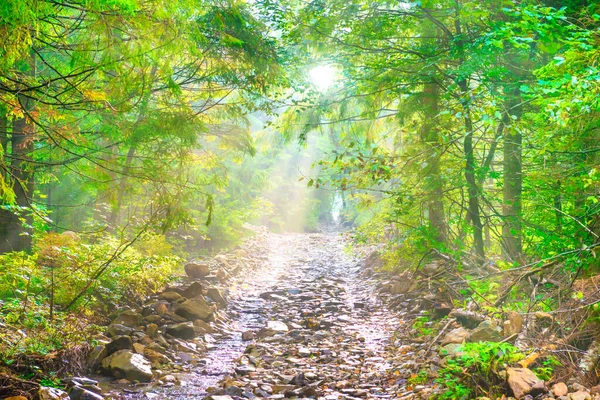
{"x": 136, "y": 134}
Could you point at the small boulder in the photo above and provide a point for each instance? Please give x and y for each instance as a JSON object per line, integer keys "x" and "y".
{"x": 119, "y": 343}
{"x": 203, "y": 327}
{"x": 118, "y": 330}
{"x": 560, "y": 389}
{"x": 404, "y": 284}
{"x": 523, "y": 382}
{"x": 196, "y": 308}
{"x": 128, "y": 365}
{"x": 194, "y": 290}
{"x": 129, "y": 318}
{"x": 197, "y": 270}
{"x": 277, "y": 326}
{"x": 247, "y": 335}
{"x": 487, "y": 331}
{"x": 98, "y": 354}
{"x": 183, "y": 330}
{"x": 50, "y": 393}
{"x": 152, "y": 330}
{"x": 79, "y": 393}
{"x": 458, "y": 335}
{"x": 513, "y": 325}
{"x": 215, "y": 295}
{"x": 468, "y": 319}
{"x": 580, "y": 395}
{"x": 169, "y": 296}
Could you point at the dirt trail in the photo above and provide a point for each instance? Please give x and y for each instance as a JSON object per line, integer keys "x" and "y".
{"x": 318, "y": 330}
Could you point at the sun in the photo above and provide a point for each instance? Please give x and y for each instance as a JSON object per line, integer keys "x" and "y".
{"x": 323, "y": 76}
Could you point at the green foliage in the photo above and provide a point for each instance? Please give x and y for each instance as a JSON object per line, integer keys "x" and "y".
{"x": 473, "y": 371}
{"x": 423, "y": 326}
{"x": 546, "y": 370}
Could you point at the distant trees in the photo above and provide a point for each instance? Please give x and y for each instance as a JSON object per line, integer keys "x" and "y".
{"x": 102, "y": 102}
{"x": 466, "y": 101}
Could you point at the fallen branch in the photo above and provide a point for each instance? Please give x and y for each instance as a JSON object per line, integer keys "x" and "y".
{"x": 502, "y": 298}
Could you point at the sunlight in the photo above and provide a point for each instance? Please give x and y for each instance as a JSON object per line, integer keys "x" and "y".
{"x": 323, "y": 76}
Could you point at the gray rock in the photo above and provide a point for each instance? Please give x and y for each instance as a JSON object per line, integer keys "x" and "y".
{"x": 458, "y": 335}
{"x": 215, "y": 295}
{"x": 118, "y": 330}
{"x": 50, "y": 393}
{"x": 487, "y": 331}
{"x": 119, "y": 343}
{"x": 79, "y": 393}
{"x": 129, "y": 318}
{"x": 523, "y": 382}
{"x": 513, "y": 325}
{"x": 194, "y": 290}
{"x": 196, "y": 308}
{"x": 169, "y": 296}
{"x": 98, "y": 354}
{"x": 580, "y": 395}
{"x": 197, "y": 270}
{"x": 183, "y": 330}
{"x": 128, "y": 365}
{"x": 468, "y": 319}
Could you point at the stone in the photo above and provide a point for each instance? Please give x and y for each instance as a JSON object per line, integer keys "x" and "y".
{"x": 215, "y": 295}
{"x": 170, "y": 296}
{"x": 513, "y": 325}
{"x": 221, "y": 397}
{"x": 203, "y": 327}
{"x": 152, "y": 330}
{"x": 244, "y": 369}
{"x": 16, "y": 398}
{"x": 96, "y": 356}
{"x": 560, "y": 389}
{"x": 79, "y": 393}
{"x": 247, "y": 335}
{"x": 196, "y": 308}
{"x": 580, "y": 395}
{"x": 458, "y": 335}
{"x": 487, "y": 331}
{"x": 155, "y": 357}
{"x": 468, "y": 319}
{"x": 128, "y": 365}
{"x": 129, "y": 318}
{"x": 523, "y": 382}
{"x": 118, "y": 330}
{"x": 452, "y": 349}
{"x": 50, "y": 393}
{"x": 277, "y": 326}
{"x": 183, "y": 330}
{"x": 403, "y": 284}
{"x": 196, "y": 270}
{"x": 194, "y": 290}
{"x": 139, "y": 348}
{"x": 119, "y": 343}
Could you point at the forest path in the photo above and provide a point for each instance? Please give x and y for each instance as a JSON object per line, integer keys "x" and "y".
{"x": 318, "y": 330}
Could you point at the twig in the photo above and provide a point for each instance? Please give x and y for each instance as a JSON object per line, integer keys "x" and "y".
{"x": 450, "y": 321}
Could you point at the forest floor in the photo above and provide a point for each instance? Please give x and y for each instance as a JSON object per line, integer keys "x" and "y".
{"x": 315, "y": 329}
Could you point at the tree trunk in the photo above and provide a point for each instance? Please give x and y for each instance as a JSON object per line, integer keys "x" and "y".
{"x": 433, "y": 180}
{"x": 472, "y": 187}
{"x": 16, "y": 220}
{"x": 513, "y": 183}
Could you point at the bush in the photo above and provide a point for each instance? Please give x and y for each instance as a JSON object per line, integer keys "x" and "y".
{"x": 474, "y": 370}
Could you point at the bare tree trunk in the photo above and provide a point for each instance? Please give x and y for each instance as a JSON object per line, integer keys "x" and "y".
{"x": 472, "y": 187}
{"x": 513, "y": 183}
{"x": 433, "y": 178}
{"x": 16, "y": 220}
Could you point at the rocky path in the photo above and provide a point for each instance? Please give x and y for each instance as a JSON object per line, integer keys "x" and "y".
{"x": 304, "y": 323}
